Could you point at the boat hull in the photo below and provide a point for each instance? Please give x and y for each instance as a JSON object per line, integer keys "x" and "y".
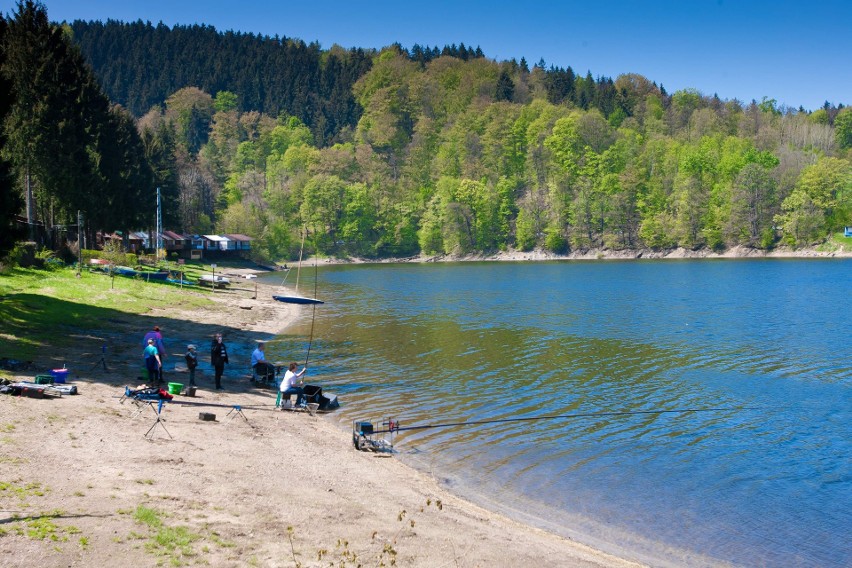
{"x": 218, "y": 281}
{"x": 297, "y": 300}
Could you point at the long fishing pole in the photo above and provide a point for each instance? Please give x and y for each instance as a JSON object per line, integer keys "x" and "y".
{"x": 219, "y": 405}
{"x": 393, "y": 426}
{"x": 313, "y": 306}
{"x": 299, "y": 267}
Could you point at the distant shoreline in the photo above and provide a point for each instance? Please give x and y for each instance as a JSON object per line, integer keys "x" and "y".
{"x": 595, "y": 254}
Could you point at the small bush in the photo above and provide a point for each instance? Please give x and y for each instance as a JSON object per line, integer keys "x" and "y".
{"x": 89, "y": 254}
{"x": 555, "y": 242}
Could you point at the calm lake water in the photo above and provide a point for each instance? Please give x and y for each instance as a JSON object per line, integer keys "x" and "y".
{"x": 760, "y": 475}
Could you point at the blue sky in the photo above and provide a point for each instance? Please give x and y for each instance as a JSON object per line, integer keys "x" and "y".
{"x": 795, "y": 52}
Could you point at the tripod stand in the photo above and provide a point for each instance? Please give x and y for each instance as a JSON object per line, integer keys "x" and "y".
{"x": 234, "y": 412}
{"x": 102, "y": 360}
{"x": 159, "y": 421}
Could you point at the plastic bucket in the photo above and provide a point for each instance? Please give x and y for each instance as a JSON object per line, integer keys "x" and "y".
{"x": 59, "y": 375}
{"x": 174, "y": 388}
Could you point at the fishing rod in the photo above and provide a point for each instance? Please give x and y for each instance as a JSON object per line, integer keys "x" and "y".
{"x": 205, "y": 404}
{"x": 393, "y": 425}
{"x": 313, "y": 306}
{"x": 219, "y": 405}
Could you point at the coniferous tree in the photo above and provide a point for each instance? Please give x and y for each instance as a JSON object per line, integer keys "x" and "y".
{"x": 159, "y": 146}
{"x": 505, "y": 87}
{"x": 10, "y": 199}
{"x": 63, "y": 134}
{"x": 46, "y": 135}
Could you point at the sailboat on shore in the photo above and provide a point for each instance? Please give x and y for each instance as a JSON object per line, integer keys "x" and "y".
{"x": 295, "y": 297}
{"x": 315, "y": 400}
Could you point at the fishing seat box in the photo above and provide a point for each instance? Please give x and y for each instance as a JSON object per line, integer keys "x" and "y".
{"x": 313, "y": 393}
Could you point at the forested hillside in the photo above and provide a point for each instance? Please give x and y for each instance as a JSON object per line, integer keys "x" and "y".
{"x": 400, "y": 151}
{"x": 461, "y": 156}
{"x": 140, "y": 65}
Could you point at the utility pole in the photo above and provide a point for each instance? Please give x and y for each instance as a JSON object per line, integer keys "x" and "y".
{"x": 30, "y": 206}
{"x": 79, "y": 242}
{"x": 159, "y": 236}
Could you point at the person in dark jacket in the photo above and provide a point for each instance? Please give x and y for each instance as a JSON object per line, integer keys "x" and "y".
{"x": 218, "y": 358}
{"x": 191, "y": 363}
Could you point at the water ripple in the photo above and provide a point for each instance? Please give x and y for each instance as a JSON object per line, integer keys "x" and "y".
{"x": 762, "y": 477}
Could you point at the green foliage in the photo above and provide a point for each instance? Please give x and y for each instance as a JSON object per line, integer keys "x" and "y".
{"x": 114, "y": 253}
{"x": 397, "y": 152}
{"x": 525, "y": 231}
{"x": 802, "y": 222}
{"x": 78, "y": 153}
{"x": 225, "y": 101}
{"x": 555, "y": 242}
{"x": 843, "y": 128}
{"x": 819, "y": 116}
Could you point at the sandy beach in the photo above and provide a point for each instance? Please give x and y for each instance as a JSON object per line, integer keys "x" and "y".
{"x": 81, "y": 485}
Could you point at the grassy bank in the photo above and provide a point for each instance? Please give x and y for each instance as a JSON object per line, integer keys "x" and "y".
{"x": 43, "y": 309}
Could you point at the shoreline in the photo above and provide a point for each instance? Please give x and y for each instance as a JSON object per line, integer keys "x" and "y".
{"x": 596, "y": 254}
{"x": 260, "y": 487}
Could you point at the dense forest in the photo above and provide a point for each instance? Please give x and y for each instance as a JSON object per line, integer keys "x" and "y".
{"x": 401, "y": 151}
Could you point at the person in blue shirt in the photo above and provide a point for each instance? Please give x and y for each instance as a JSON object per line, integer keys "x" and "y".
{"x": 152, "y": 362}
{"x": 157, "y": 338}
{"x": 263, "y": 370}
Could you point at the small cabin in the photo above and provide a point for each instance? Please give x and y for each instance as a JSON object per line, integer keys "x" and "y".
{"x": 215, "y": 243}
{"x": 240, "y": 242}
{"x": 174, "y": 242}
{"x": 847, "y": 231}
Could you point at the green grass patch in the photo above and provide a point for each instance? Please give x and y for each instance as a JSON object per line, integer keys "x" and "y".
{"x": 22, "y": 491}
{"x": 845, "y": 242}
{"x": 44, "y": 527}
{"x": 41, "y": 309}
{"x": 147, "y": 516}
{"x": 173, "y": 542}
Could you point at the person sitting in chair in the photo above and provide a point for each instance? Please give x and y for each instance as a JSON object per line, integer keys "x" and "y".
{"x": 262, "y": 370}
{"x": 291, "y": 384}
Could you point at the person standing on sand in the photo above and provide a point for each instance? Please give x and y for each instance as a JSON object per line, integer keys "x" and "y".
{"x": 157, "y": 336}
{"x": 218, "y": 358}
{"x": 152, "y": 362}
{"x": 191, "y": 363}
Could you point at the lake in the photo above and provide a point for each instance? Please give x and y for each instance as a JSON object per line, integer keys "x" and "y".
{"x": 680, "y": 413}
